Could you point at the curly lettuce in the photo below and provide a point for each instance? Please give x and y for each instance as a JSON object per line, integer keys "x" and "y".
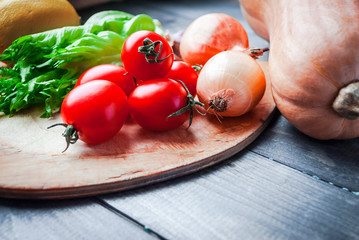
{"x": 46, "y": 65}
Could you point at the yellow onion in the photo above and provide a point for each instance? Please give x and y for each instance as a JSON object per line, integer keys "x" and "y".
{"x": 210, "y": 34}
{"x": 231, "y": 84}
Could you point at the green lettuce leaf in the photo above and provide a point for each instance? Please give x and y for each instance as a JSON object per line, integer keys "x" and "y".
{"x": 47, "y": 65}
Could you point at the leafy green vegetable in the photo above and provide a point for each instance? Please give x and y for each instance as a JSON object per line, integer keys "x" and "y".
{"x": 47, "y": 65}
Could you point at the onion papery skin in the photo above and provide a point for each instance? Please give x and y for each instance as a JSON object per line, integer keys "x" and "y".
{"x": 235, "y": 77}
{"x": 210, "y": 34}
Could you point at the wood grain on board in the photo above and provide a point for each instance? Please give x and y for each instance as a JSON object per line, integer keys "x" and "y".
{"x": 32, "y": 164}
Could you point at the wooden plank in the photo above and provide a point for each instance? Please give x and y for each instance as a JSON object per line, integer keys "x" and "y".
{"x": 71, "y": 219}
{"x": 334, "y": 161}
{"x": 247, "y": 197}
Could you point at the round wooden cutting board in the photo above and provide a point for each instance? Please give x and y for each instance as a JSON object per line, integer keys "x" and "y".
{"x": 32, "y": 165}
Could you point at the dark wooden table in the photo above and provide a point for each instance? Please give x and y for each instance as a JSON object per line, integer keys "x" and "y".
{"x": 284, "y": 185}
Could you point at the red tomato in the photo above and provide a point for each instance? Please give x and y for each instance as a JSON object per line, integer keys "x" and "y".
{"x": 109, "y": 72}
{"x": 183, "y": 71}
{"x": 153, "y": 101}
{"x": 135, "y": 62}
{"x": 97, "y": 110}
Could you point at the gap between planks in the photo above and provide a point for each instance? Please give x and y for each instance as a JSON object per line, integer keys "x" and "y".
{"x": 127, "y": 217}
{"x": 308, "y": 174}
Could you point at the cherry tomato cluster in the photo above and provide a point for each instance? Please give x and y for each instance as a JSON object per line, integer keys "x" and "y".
{"x": 164, "y": 97}
{"x": 155, "y": 90}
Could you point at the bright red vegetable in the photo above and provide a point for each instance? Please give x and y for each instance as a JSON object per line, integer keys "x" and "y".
{"x": 93, "y": 112}
{"x": 109, "y": 72}
{"x": 147, "y": 55}
{"x": 153, "y": 101}
{"x": 186, "y": 73}
{"x": 161, "y": 104}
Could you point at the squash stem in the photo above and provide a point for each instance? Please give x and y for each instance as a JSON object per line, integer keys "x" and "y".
{"x": 256, "y": 52}
{"x": 346, "y": 104}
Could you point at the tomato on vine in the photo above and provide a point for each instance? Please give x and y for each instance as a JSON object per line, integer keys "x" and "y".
{"x": 93, "y": 112}
{"x": 147, "y": 55}
{"x": 161, "y": 104}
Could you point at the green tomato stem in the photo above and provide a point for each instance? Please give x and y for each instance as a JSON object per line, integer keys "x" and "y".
{"x": 197, "y": 67}
{"x": 70, "y": 134}
{"x": 191, "y": 104}
{"x": 148, "y": 49}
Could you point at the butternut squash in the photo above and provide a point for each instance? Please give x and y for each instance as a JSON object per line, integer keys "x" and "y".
{"x": 313, "y": 62}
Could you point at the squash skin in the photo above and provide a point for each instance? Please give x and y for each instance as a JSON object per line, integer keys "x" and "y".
{"x": 314, "y": 53}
